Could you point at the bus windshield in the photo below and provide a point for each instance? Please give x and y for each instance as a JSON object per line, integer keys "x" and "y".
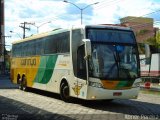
{"x": 112, "y": 36}
{"x": 113, "y": 57}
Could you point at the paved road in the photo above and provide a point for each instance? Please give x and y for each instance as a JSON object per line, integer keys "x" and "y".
{"x": 5, "y": 83}
{"x": 35, "y": 104}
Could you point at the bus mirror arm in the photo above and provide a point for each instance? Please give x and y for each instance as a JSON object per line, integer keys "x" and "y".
{"x": 87, "y": 47}
{"x": 86, "y": 57}
{"x": 87, "y": 44}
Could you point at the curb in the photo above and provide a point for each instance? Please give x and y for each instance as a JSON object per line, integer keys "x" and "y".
{"x": 152, "y": 88}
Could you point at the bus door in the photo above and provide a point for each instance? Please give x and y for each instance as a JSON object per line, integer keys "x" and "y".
{"x": 81, "y": 73}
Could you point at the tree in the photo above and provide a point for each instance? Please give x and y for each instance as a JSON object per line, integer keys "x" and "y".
{"x": 150, "y": 41}
{"x": 158, "y": 38}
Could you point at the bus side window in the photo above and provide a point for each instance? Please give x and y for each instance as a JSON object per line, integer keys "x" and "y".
{"x": 81, "y": 63}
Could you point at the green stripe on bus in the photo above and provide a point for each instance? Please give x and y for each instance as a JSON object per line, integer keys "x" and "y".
{"x": 46, "y": 68}
{"x": 122, "y": 84}
{"x": 41, "y": 69}
{"x": 130, "y": 83}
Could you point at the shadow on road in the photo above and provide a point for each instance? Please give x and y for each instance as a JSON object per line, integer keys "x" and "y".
{"x": 129, "y": 107}
{"x": 44, "y": 93}
{"x": 15, "y": 110}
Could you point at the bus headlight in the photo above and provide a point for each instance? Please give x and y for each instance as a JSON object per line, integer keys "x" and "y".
{"x": 137, "y": 84}
{"x": 95, "y": 84}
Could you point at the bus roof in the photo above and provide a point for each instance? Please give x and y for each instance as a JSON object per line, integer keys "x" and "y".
{"x": 60, "y": 30}
{"x": 110, "y": 26}
{"x": 41, "y": 35}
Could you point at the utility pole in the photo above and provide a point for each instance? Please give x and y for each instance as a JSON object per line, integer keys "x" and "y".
{"x": 2, "y": 39}
{"x": 0, "y": 22}
{"x": 23, "y": 26}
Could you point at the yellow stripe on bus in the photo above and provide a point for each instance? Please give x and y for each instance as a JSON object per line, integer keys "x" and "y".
{"x": 27, "y": 66}
{"x": 107, "y": 84}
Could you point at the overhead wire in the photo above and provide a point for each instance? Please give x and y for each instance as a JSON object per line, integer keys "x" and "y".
{"x": 107, "y": 4}
{"x": 101, "y": 3}
{"x": 55, "y": 18}
{"x": 63, "y": 16}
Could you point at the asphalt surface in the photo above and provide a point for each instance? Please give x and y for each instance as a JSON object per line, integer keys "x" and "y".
{"x": 40, "y": 105}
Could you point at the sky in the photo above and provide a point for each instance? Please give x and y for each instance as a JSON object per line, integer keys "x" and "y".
{"x": 47, "y": 15}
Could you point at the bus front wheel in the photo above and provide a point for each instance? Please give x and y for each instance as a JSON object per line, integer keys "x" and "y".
{"x": 64, "y": 92}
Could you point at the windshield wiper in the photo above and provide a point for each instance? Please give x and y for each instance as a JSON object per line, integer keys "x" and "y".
{"x": 118, "y": 64}
{"x": 117, "y": 61}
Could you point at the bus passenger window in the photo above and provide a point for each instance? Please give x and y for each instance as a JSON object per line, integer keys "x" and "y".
{"x": 81, "y": 63}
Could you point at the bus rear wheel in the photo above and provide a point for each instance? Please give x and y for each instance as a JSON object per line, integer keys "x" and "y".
{"x": 64, "y": 92}
{"x": 20, "y": 84}
{"x": 23, "y": 84}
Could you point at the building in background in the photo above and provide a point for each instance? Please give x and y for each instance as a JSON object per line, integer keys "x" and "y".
{"x": 143, "y": 29}
{"x": 2, "y": 38}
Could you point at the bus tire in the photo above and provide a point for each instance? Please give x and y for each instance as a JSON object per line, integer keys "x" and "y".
{"x": 109, "y": 100}
{"x": 20, "y": 84}
{"x": 18, "y": 79}
{"x": 64, "y": 92}
{"x": 24, "y": 83}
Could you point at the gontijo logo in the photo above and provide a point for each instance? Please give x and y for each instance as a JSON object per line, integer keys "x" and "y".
{"x": 28, "y": 61}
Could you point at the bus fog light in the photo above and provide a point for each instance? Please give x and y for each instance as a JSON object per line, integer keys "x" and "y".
{"x": 136, "y": 84}
{"x": 135, "y": 97}
{"x": 95, "y": 84}
{"x": 93, "y": 97}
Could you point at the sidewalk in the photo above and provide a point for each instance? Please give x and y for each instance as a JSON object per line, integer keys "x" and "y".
{"x": 5, "y": 82}
{"x": 153, "y": 87}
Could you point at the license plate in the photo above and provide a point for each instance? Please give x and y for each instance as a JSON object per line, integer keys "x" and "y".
{"x": 117, "y": 93}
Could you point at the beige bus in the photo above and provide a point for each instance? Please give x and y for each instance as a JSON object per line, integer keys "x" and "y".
{"x": 92, "y": 62}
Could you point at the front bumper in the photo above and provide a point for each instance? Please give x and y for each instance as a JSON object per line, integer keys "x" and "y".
{"x": 94, "y": 93}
